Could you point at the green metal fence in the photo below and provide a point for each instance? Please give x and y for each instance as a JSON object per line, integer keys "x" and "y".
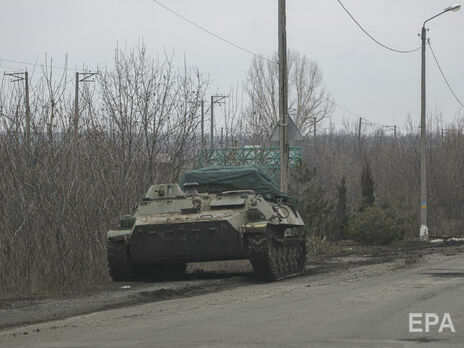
{"x": 266, "y": 157}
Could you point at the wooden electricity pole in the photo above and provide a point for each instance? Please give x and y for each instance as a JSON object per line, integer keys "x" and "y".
{"x": 359, "y": 133}
{"x": 28, "y": 109}
{"x": 314, "y": 130}
{"x": 283, "y": 98}
{"x": 24, "y": 76}
{"x": 76, "y": 105}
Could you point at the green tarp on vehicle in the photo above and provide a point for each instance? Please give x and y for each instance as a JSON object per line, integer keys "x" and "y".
{"x": 223, "y": 178}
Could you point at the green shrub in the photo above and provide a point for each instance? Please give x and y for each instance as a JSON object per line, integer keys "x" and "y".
{"x": 374, "y": 225}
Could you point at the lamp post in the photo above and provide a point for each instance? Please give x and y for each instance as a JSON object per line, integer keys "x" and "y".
{"x": 424, "y": 233}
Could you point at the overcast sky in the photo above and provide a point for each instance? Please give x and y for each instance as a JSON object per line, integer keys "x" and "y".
{"x": 361, "y": 76}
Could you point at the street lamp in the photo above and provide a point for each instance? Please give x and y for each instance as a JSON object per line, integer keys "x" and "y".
{"x": 424, "y": 233}
{"x": 453, "y": 8}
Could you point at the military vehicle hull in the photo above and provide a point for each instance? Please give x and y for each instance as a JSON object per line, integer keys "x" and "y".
{"x": 186, "y": 242}
{"x": 174, "y": 228}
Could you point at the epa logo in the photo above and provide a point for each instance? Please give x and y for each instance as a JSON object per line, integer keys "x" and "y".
{"x": 424, "y": 322}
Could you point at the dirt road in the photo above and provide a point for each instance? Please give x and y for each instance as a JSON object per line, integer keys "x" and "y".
{"x": 364, "y": 306}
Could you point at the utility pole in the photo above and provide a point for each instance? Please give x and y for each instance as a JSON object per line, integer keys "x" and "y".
{"x": 211, "y": 131}
{"x": 359, "y": 134}
{"x": 423, "y": 233}
{"x": 394, "y": 132}
{"x": 204, "y": 156}
{"x": 24, "y": 76}
{"x": 76, "y": 104}
{"x": 86, "y": 77}
{"x": 314, "y": 128}
{"x": 28, "y": 109}
{"x": 203, "y": 142}
{"x": 283, "y": 98}
{"x": 215, "y": 99}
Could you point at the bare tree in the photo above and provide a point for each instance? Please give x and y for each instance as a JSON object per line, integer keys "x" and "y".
{"x": 309, "y": 101}
{"x": 60, "y": 195}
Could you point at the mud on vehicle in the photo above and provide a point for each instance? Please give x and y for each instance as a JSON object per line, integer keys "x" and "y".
{"x": 222, "y": 213}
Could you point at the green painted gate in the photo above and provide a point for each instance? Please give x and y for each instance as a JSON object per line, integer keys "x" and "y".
{"x": 266, "y": 157}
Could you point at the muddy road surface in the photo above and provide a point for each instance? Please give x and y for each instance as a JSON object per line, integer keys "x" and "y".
{"x": 364, "y": 305}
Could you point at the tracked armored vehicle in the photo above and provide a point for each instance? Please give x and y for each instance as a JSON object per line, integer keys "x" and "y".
{"x": 222, "y": 213}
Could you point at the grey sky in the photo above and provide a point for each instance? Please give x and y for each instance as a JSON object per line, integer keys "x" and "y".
{"x": 361, "y": 76}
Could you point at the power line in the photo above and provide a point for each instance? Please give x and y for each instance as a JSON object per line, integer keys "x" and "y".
{"x": 346, "y": 110}
{"x": 35, "y": 64}
{"x": 366, "y": 121}
{"x": 373, "y": 38}
{"x": 443, "y": 75}
{"x": 213, "y": 34}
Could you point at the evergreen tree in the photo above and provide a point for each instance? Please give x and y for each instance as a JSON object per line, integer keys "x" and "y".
{"x": 313, "y": 206}
{"x": 340, "y": 210}
{"x": 367, "y": 186}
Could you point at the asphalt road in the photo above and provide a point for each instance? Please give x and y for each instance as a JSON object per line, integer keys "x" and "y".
{"x": 366, "y": 306}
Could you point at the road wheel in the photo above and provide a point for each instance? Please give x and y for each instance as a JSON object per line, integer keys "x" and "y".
{"x": 279, "y": 259}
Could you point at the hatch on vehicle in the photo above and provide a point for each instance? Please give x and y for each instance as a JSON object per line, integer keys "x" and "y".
{"x": 227, "y": 202}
